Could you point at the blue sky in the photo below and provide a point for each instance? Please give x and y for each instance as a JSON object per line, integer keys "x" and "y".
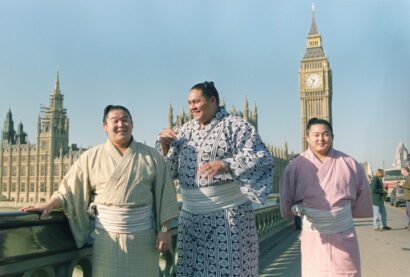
{"x": 147, "y": 54}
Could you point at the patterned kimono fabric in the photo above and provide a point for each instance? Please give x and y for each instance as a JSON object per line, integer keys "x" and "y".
{"x": 223, "y": 242}
{"x": 135, "y": 180}
{"x": 327, "y": 186}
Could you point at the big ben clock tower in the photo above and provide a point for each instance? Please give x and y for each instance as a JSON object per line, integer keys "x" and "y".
{"x": 315, "y": 81}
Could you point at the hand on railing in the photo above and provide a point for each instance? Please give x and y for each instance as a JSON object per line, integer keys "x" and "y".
{"x": 44, "y": 209}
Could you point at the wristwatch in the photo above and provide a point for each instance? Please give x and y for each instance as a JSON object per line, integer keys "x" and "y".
{"x": 226, "y": 166}
{"x": 164, "y": 229}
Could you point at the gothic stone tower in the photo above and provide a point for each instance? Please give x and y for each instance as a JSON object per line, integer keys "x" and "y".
{"x": 8, "y": 134}
{"x": 315, "y": 81}
{"x": 31, "y": 172}
{"x": 52, "y": 134}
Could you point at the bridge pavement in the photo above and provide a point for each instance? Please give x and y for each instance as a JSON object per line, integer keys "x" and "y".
{"x": 383, "y": 253}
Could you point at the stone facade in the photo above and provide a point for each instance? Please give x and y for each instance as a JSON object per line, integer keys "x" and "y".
{"x": 315, "y": 82}
{"x": 281, "y": 158}
{"x": 32, "y": 172}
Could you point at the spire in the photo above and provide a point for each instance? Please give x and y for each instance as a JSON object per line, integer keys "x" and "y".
{"x": 56, "y": 98}
{"x": 66, "y": 125}
{"x": 255, "y": 116}
{"x": 314, "y": 40}
{"x": 21, "y": 135}
{"x": 170, "y": 117}
{"x": 57, "y": 84}
{"x": 223, "y": 102}
{"x": 313, "y": 28}
{"x": 39, "y": 124}
{"x": 184, "y": 117}
{"x": 20, "y": 128}
{"x": 233, "y": 111}
{"x": 245, "y": 109}
{"x": 8, "y": 123}
{"x": 8, "y": 134}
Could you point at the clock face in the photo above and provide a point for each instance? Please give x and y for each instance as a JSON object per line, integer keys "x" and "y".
{"x": 313, "y": 80}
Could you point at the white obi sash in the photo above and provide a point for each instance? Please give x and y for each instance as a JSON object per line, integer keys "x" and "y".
{"x": 124, "y": 220}
{"x": 210, "y": 199}
{"x": 325, "y": 222}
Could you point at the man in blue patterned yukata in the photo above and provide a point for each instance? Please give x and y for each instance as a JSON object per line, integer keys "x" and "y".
{"x": 221, "y": 164}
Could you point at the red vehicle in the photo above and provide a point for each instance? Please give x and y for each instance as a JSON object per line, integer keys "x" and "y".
{"x": 391, "y": 179}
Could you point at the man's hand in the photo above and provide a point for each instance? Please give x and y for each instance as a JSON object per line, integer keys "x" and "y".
{"x": 44, "y": 209}
{"x": 212, "y": 168}
{"x": 166, "y": 137}
{"x": 164, "y": 241}
{"x": 164, "y": 238}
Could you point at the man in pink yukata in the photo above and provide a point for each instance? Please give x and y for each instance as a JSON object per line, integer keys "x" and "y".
{"x": 327, "y": 188}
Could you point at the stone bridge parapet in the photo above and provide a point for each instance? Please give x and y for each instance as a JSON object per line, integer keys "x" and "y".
{"x": 30, "y": 247}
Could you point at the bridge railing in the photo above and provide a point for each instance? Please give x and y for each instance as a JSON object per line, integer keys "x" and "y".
{"x": 30, "y": 247}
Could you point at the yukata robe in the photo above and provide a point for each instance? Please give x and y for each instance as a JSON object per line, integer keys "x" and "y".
{"x": 330, "y": 185}
{"x": 224, "y": 242}
{"x": 136, "y": 179}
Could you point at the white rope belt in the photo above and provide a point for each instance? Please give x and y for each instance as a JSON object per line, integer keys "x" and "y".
{"x": 325, "y": 222}
{"x": 210, "y": 199}
{"x": 124, "y": 220}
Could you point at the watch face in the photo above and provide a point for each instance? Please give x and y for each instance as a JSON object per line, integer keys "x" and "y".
{"x": 313, "y": 80}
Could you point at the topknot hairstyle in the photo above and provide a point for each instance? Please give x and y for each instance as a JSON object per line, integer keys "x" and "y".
{"x": 208, "y": 90}
{"x": 314, "y": 121}
{"x": 115, "y": 107}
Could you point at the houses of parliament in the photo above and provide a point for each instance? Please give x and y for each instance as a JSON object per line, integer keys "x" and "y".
{"x": 32, "y": 172}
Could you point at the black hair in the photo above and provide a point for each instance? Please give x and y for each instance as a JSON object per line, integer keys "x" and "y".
{"x": 115, "y": 107}
{"x": 208, "y": 90}
{"x": 314, "y": 121}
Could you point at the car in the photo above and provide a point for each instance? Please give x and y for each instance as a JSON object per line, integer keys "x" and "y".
{"x": 397, "y": 196}
{"x": 392, "y": 178}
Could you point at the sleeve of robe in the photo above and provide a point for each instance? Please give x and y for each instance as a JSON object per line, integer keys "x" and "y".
{"x": 74, "y": 195}
{"x": 251, "y": 163}
{"x": 166, "y": 206}
{"x": 287, "y": 191}
{"x": 362, "y": 205}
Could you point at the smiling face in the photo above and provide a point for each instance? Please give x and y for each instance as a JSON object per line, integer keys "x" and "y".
{"x": 118, "y": 125}
{"x": 320, "y": 139}
{"x": 201, "y": 107}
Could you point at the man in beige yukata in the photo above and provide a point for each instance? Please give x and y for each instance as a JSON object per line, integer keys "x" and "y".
{"x": 127, "y": 185}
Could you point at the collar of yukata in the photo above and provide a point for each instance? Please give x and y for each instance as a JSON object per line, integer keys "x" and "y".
{"x": 221, "y": 113}
{"x": 218, "y": 116}
{"x": 330, "y": 153}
